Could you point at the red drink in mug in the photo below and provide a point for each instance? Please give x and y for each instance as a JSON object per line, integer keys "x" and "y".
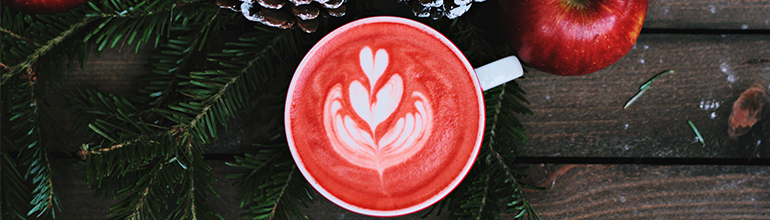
{"x": 385, "y": 116}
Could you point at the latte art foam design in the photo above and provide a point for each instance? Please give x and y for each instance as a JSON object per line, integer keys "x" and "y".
{"x": 358, "y": 143}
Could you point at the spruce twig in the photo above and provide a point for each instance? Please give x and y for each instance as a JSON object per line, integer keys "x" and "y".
{"x": 31, "y": 134}
{"x": 17, "y": 36}
{"x": 135, "y": 214}
{"x": 14, "y": 187}
{"x": 45, "y": 48}
{"x": 484, "y": 199}
{"x": 282, "y": 192}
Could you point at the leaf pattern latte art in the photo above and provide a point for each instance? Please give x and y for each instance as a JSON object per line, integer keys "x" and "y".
{"x": 357, "y": 142}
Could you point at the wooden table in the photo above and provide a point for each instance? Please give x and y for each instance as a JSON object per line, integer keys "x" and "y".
{"x": 597, "y": 159}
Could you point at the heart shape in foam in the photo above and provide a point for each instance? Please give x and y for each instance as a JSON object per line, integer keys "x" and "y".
{"x": 359, "y": 144}
{"x": 387, "y": 98}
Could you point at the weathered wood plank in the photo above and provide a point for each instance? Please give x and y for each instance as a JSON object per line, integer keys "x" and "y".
{"x": 325, "y": 209}
{"x": 110, "y": 71}
{"x": 80, "y": 202}
{"x": 77, "y": 200}
{"x": 574, "y": 192}
{"x": 584, "y": 115}
{"x": 650, "y": 192}
{"x": 708, "y": 14}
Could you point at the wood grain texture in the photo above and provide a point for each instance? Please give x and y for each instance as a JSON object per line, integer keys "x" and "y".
{"x": 77, "y": 200}
{"x": 80, "y": 202}
{"x": 325, "y": 209}
{"x": 708, "y": 14}
{"x": 650, "y": 192}
{"x": 584, "y": 116}
{"x": 111, "y": 71}
{"x": 574, "y": 192}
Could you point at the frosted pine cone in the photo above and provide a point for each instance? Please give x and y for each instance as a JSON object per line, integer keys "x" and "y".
{"x": 438, "y": 8}
{"x": 286, "y": 13}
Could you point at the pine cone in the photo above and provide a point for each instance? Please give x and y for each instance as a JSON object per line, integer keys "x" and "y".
{"x": 286, "y": 13}
{"x": 438, "y": 8}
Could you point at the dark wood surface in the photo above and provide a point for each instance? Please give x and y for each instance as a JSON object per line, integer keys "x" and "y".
{"x": 579, "y": 117}
{"x": 651, "y": 192}
{"x": 584, "y": 116}
{"x": 708, "y": 14}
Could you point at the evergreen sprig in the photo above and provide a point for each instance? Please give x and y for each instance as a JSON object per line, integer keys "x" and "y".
{"x": 192, "y": 103}
{"x": 273, "y": 185}
{"x": 148, "y": 150}
{"x": 31, "y": 132}
{"x": 13, "y": 201}
{"x": 149, "y": 172}
{"x": 37, "y": 56}
{"x": 41, "y": 43}
{"x": 24, "y": 108}
{"x": 494, "y": 179}
{"x": 498, "y": 151}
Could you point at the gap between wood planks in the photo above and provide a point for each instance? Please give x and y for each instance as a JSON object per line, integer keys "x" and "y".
{"x": 563, "y": 160}
{"x": 705, "y": 31}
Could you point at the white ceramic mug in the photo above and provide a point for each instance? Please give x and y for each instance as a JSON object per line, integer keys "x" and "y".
{"x": 385, "y": 116}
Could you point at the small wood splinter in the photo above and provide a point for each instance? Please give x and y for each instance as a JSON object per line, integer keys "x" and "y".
{"x": 747, "y": 110}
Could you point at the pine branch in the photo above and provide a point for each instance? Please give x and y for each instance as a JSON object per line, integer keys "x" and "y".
{"x": 281, "y": 194}
{"x": 515, "y": 201}
{"x": 494, "y": 180}
{"x": 218, "y": 94}
{"x": 272, "y": 183}
{"x": 135, "y": 213}
{"x": 479, "y": 199}
{"x": 211, "y": 106}
{"x": 113, "y": 22}
{"x": 125, "y": 21}
{"x": 197, "y": 179}
{"x": 496, "y": 161}
{"x": 131, "y": 138}
{"x": 148, "y": 191}
{"x": 484, "y": 200}
{"x": 19, "y": 37}
{"x": 42, "y": 50}
{"x": 481, "y": 196}
{"x": 13, "y": 187}
{"x": 30, "y": 135}
{"x": 146, "y": 174}
{"x": 107, "y": 115}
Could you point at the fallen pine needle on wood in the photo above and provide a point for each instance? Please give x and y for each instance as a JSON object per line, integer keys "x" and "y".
{"x": 697, "y": 133}
{"x": 647, "y": 85}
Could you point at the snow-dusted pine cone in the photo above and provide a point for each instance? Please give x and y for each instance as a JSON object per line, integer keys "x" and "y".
{"x": 438, "y": 8}
{"x": 286, "y": 13}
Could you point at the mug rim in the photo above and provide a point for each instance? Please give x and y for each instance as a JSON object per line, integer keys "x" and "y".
{"x": 440, "y": 194}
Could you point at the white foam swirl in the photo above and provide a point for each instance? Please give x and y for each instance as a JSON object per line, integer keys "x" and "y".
{"x": 357, "y": 142}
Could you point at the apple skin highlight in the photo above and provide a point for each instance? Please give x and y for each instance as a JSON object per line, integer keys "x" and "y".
{"x": 572, "y": 37}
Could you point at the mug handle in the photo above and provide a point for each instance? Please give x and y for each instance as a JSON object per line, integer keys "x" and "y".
{"x": 499, "y": 72}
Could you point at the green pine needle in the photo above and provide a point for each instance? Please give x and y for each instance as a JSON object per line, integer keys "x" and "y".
{"x": 646, "y": 86}
{"x": 697, "y": 133}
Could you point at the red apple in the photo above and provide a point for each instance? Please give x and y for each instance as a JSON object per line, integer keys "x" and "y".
{"x": 572, "y": 37}
{"x": 43, "y": 6}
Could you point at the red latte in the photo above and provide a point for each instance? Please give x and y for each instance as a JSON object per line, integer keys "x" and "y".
{"x": 384, "y": 116}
